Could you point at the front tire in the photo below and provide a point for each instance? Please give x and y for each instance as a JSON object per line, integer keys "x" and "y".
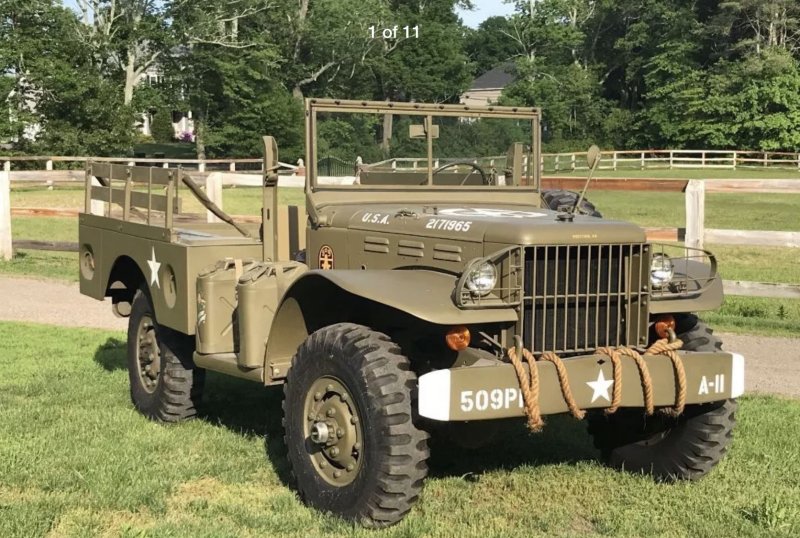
{"x": 164, "y": 383}
{"x": 353, "y": 448}
{"x": 669, "y": 448}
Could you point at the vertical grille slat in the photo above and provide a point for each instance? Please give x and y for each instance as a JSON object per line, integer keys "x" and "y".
{"x": 581, "y": 297}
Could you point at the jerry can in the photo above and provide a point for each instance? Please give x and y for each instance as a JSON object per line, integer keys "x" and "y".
{"x": 216, "y": 306}
{"x": 260, "y": 290}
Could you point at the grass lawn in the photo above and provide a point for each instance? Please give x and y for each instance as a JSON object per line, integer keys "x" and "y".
{"x": 754, "y": 172}
{"x": 77, "y": 460}
{"x": 726, "y": 211}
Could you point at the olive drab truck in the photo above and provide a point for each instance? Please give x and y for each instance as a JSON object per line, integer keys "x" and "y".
{"x": 433, "y": 289}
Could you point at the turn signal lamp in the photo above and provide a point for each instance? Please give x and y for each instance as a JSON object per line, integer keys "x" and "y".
{"x": 457, "y": 338}
{"x": 664, "y": 325}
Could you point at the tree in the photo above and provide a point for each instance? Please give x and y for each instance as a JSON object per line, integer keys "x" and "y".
{"x": 491, "y": 44}
{"x": 128, "y": 36}
{"x": 161, "y": 128}
{"x": 230, "y": 77}
{"x": 61, "y": 102}
{"x": 554, "y": 73}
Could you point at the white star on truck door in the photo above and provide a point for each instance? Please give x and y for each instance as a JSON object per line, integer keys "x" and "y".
{"x": 154, "y": 267}
{"x": 600, "y": 387}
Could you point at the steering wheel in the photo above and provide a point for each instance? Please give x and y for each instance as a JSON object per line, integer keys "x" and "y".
{"x": 475, "y": 168}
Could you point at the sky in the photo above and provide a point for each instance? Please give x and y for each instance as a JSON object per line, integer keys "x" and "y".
{"x": 483, "y": 10}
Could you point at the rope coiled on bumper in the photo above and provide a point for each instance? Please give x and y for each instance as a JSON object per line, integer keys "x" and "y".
{"x": 529, "y": 384}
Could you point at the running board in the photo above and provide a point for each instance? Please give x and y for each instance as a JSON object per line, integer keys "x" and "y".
{"x": 228, "y": 364}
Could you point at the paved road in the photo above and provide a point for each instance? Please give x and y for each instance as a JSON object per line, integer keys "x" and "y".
{"x": 773, "y": 364}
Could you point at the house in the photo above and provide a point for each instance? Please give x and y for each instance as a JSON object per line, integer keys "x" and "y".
{"x": 182, "y": 122}
{"x": 486, "y": 89}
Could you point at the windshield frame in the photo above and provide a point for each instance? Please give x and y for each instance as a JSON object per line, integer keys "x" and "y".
{"x": 425, "y": 111}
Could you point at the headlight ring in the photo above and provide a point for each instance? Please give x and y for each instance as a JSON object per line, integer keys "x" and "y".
{"x": 661, "y": 271}
{"x": 482, "y": 279}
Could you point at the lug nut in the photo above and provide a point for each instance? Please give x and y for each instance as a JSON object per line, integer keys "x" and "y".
{"x": 344, "y": 397}
{"x": 323, "y": 463}
{"x": 331, "y": 412}
{"x": 350, "y": 467}
{"x": 357, "y": 446}
{"x": 334, "y": 452}
{"x": 353, "y": 420}
{"x": 337, "y": 474}
{"x": 329, "y": 388}
{"x": 317, "y": 396}
{"x": 340, "y": 433}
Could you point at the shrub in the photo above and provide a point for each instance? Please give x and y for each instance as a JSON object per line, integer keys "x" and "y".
{"x": 161, "y": 127}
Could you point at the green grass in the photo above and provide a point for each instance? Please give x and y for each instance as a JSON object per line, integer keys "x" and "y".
{"x": 77, "y": 460}
{"x": 236, "y": 201}
{"x": 754, "y": 172}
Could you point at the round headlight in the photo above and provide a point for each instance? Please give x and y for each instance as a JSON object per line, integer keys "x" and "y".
{"x": 482, "y": 279}
{"x": 661, "y": 270}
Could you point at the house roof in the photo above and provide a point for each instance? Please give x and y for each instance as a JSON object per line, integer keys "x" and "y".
{"x": 494, "y": 79}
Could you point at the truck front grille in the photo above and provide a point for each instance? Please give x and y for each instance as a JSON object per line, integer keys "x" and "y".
{"x": 581, "y": 297}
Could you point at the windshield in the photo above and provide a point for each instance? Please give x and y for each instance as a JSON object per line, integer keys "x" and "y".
{"x": 422, "y": 146}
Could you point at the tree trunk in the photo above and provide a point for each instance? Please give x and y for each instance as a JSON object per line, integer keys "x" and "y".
{"x": 130, "y": 77}
{"x": 387, "y": 135}
{"x": 200, "y": 135}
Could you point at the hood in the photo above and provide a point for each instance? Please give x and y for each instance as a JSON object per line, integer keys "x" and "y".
{"x": 512, "y": 225}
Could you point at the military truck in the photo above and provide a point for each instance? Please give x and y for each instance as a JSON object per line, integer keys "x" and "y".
{"x": 436, "y": 294}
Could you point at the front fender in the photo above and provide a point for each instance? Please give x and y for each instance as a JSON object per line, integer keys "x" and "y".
{"x": 703, "y": 289}
{"x": 427, "y": 295}
{"x": 319, "y": 298}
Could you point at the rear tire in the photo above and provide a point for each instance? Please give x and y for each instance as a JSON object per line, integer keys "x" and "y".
{"x": 164, "y": 383}
{"x": 353, "y": 448}
{"x": 558, "y": 200}
{"x": 669, "y": 448}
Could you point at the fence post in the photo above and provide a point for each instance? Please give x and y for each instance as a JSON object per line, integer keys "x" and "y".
{"x": 556, "y": 166}
{"x": 643, "y": 160}
{"x": 671, "y": 159}
{"x": 614, "y": 161}
{"x": 214, "y": 192}
{"x": 572, "y": 162}
{"x": 695, "y": 213}
{"x": 736, "y": 157}
{"x": 232, "y": 166}
{"x": 6, "y": 246}
{"x": 703, "y": 159}
{"x": 48, "y": 165}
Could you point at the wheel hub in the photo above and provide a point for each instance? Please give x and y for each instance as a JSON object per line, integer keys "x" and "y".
{"x": 148, "y": 354}
{"x": 333, "y": 429}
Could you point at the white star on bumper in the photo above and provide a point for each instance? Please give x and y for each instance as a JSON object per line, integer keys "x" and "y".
{"x": 154, "y": 267}
{"x": 600, "y": 387}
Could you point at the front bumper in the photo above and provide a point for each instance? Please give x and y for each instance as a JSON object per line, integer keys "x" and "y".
{"x": 492, "y": 392}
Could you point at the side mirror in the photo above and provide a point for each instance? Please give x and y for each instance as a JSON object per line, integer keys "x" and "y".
{"x": 593, "y": 157}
